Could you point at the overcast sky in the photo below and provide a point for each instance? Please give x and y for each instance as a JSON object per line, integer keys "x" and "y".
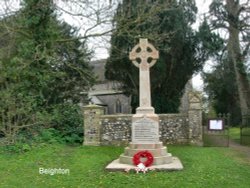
{"x": 203, "y": 6}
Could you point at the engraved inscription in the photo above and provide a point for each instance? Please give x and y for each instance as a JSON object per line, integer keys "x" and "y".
{"x": 145, "y": 130}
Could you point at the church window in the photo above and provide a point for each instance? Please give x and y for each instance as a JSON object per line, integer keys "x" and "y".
{"x": 118, "y": 106}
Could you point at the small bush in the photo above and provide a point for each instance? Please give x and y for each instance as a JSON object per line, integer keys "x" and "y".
{"x": 50, "y": 136}
{"x": 68, "y": 121}
{"x": 17, "y": 148}
{"x": 62, "y": 123}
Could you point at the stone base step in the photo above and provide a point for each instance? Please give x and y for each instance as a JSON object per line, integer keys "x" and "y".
{"x": 166, "y": 159}
{"x": 155, "y": 152}
{"x": 145, "y": 146}
{"x": 117, "y": 166}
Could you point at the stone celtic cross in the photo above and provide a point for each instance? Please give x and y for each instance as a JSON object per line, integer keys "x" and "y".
{"x": 144, "y": 56}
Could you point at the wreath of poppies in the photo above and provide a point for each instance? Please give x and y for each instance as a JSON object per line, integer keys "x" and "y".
{"x": 143, "y": 154}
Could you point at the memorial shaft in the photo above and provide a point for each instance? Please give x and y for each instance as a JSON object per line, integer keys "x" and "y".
{"x": 144, "y": 56}
{"x": 145, "y": 93}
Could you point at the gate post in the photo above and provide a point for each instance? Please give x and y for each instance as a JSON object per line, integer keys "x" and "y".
{"x": 195, "y": 118}
{"x": 92, "y": 126}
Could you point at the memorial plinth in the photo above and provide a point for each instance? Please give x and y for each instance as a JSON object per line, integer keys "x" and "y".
{"x": 145, "y": 123}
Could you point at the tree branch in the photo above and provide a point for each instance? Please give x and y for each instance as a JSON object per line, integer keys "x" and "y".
{"x": 24, "y": 126}
{"x": 246, "y": 50}
{"x": 86, "y": 36}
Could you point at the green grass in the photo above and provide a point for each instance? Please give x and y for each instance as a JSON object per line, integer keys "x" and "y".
{"x": 245, "y": 136}
{"x": 203, "y": 168}
{"x": 234, "y": 134}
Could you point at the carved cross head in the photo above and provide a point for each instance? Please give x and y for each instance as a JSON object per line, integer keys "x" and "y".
{"x": 144, "y": 55}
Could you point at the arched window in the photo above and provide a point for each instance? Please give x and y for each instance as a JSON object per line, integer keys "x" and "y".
{"x": 118, "y": 106}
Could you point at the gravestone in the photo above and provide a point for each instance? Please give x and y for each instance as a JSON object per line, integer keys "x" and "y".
{"x": 145, "y": 123}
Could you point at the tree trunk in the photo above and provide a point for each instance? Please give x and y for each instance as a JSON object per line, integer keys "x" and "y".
{"x": 235, "y": 57}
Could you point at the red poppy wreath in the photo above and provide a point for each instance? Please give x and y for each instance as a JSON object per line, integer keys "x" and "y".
{"x": 143, "y": 154}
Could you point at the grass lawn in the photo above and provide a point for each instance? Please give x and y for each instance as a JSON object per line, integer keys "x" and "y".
{"x": 234, "y": 134}
{"x": 204, "y": 167}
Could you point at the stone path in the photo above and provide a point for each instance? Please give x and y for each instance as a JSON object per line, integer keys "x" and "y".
{"x": 241, "y": 150}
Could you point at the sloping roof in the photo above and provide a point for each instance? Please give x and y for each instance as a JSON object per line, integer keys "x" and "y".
{"x": 96, "y": 100}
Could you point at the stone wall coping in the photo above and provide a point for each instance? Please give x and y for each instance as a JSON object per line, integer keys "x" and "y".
{"x": 130, "y": 115}
{"x": 117, "y": 115}
{"x": 174, "y": 115}
{"x": 93, "y": 106}
{"x": 195, "y": 109}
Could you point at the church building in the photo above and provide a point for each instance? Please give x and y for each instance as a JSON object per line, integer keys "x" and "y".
{"x": 106, "y": 93}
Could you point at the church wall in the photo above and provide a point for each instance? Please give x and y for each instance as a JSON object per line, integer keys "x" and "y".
{"x": 112, "y": 100}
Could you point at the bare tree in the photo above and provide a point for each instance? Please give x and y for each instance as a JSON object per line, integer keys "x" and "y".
{"x": 92, "y": 18}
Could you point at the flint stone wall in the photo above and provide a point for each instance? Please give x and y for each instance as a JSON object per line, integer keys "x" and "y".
{"x": 182, "y": 128}
{"x": 116, "y": 129}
